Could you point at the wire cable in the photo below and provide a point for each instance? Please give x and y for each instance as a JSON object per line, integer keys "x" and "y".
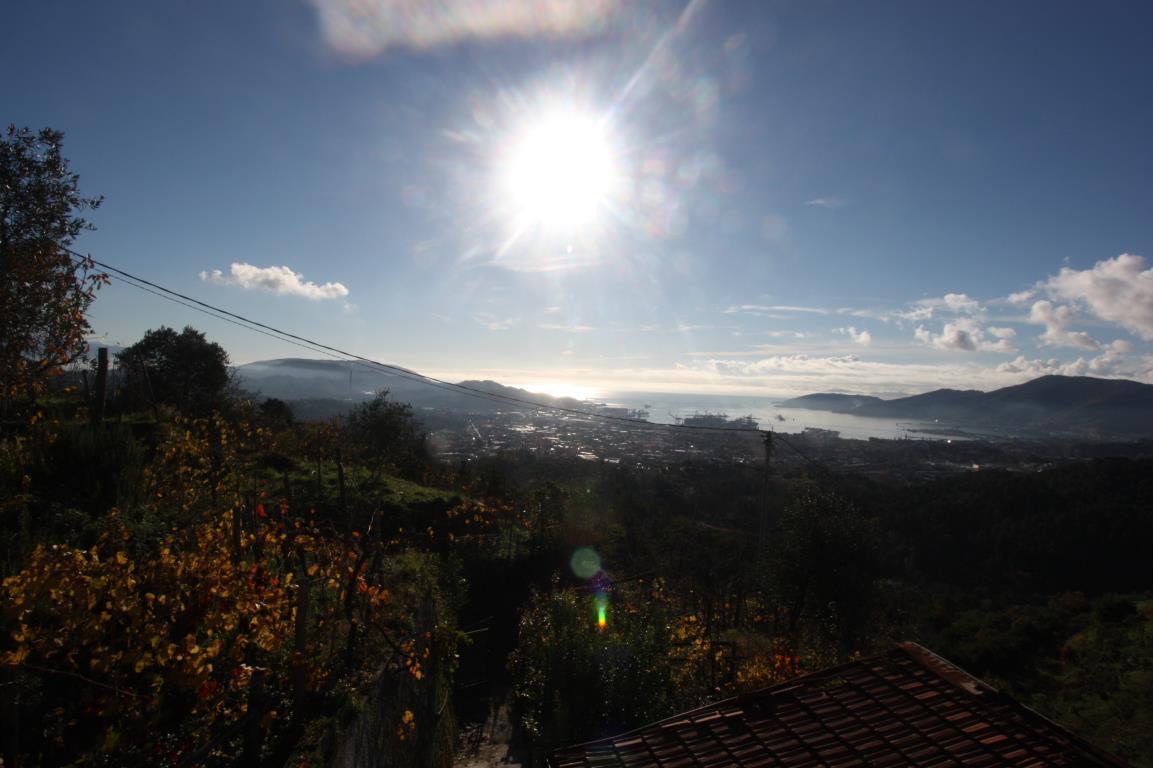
{"x": 396, "y": 370}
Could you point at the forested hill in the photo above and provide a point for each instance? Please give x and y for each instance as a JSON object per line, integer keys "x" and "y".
{"x": 1049, "y": 403}
{"x": 304, "y": 379}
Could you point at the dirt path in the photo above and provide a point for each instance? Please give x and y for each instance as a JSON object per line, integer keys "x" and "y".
{"x": 487, "y": 746}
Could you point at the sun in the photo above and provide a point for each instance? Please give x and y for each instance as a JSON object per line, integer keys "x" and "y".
{"x": 561, "y": 173}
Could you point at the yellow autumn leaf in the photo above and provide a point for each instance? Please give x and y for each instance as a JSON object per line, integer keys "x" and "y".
{"x": 14, "y": 657}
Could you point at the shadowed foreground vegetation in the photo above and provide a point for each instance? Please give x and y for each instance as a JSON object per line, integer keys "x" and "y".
{"x": 241, "y": 588}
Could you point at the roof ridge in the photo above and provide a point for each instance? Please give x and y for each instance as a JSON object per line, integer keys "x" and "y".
{"x": 946, "y": 670}
{"x": 950, "y": 672}
{"x": 900, "y": 689}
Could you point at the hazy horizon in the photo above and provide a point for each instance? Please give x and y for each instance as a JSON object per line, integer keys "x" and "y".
{"x": 633, "y": 395}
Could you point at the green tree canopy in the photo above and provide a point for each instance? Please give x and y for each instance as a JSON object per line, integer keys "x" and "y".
{"x": 385, "y": 433}
{"x": 44, "y": 291}
{"x": 184, "y": 370}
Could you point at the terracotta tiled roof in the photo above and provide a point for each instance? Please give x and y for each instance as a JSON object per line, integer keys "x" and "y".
{"x": 905, "y": 707}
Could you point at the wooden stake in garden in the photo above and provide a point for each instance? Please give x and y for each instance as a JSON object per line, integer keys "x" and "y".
{"x": 100, "y": 394}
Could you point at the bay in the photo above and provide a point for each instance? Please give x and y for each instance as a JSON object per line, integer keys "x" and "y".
{"x": 666, "y": 408}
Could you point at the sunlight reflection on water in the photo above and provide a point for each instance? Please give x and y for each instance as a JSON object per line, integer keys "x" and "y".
{"x": 664, "y": 408}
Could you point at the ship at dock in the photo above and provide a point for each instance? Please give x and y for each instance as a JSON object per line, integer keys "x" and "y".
{"x": 621, "y": 412}
{"x": 718, "y": 420}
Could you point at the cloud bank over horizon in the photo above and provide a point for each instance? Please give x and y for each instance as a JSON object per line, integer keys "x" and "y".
{"x": 1094, "y": 321}
{"x": 1072, "y": 309}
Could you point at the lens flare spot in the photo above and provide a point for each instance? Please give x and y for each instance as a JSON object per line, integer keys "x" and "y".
{"x": 602, "y": 613}
{"x": 585, "y": 563}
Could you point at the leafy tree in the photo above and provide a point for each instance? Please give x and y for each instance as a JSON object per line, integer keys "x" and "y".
{"x": 823, "y": 566}
{"x": 385, "y": 433}
{"x": 574, "y": 681}
{"x": 44, "y": 291}
{"x": 183, "y": 370}
{"x": 276, "y": 412}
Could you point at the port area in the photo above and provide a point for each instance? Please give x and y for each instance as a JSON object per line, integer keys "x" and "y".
{"x": 916, "y": 455}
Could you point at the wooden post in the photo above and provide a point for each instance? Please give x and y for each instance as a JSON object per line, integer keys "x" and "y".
{"x": 151, "y": 393}
{"x": 235, "y": 535}
{"x": 300, "y": 655}
{"x": 427, "y": 737}
{"x": 318, "y": 498}
{"x": 254, "y": 527}
{"x": 9, "y": 717}
{"x": 343, "y": 496}
{"x": 763, "y": 532}
{"x": 253, "y": 735}
{"x": 101, "y": 388}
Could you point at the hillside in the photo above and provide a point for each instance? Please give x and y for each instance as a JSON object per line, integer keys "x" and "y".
{"x": 829, "y": 401}
{"x": 327, "y": 385}
{"x": 1047, "y": 404}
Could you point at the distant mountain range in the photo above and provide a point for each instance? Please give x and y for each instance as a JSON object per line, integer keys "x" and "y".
{"x": 1050, "y": 404}
{"x": 298, "y": 379}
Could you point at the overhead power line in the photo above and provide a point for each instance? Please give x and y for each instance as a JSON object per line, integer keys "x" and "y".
{"x": 387, "y": 368}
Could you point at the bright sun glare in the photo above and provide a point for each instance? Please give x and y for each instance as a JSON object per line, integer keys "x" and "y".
{"x": 562, "y": 389}
{"x": 561, "y": 173}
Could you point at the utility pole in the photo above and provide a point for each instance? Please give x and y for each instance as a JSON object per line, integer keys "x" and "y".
{"x": 763, "y": 532}
{"x": 101, "y": 386}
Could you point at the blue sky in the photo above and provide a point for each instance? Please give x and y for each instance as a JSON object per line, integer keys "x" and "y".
{"x": 774, "y": 197}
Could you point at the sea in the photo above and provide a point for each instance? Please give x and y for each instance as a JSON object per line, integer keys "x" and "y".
{"x": 666, "y": 408}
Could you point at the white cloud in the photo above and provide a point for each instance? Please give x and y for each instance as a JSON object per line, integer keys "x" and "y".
{"x": 775, "y": 363}
{"x": 1021, "y": 297}
{"x": 801, "y": 374}
{"x": 769, "y": 309}
{"x": 1113, "y": 362}
{"x": 785, "y": 374}
{"x": 280, "y": 280}
{"x": 515, "y": 257}
{"x": 870, "y": 314}
{"x": 1002, "y": 333}
{"x": 575, "y": 328}
{"x": 827, "y": 202}
{"x": 966, "y": 335}
{"x": 915, "y": 315}
{"x": 960, "y": 302}
{"x": 368, "y": 27}
{"x": 957, "y": 303}
{"x": 952, "y": 336}
{"x": 862, "y": 337}
{"x": 1118, "y": 290}
{"x": 494, "y": 323}
{"x": 924, "y": 309}
{"x": 1056, "y": 320}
